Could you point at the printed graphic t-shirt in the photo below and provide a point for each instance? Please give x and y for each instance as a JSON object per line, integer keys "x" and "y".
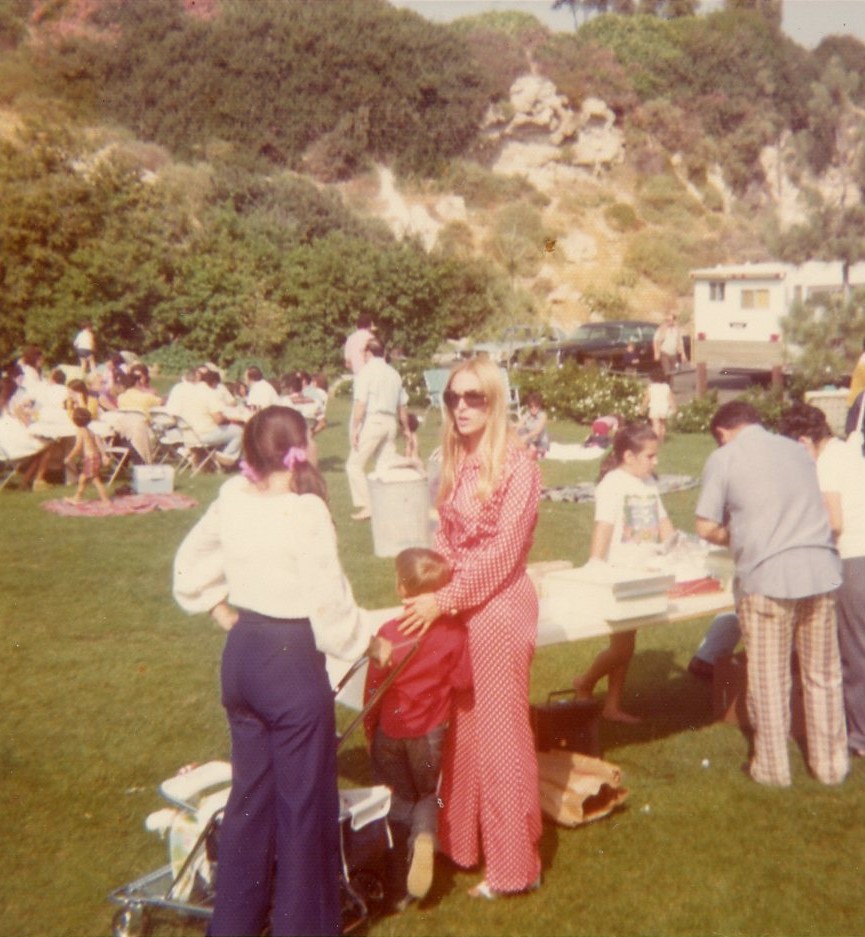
{"x": 634, "y": 508}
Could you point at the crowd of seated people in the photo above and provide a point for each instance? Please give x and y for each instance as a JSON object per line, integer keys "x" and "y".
{"x": 37, "y": 404}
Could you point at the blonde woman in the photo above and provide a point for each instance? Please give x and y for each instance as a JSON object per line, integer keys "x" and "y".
{"x": 488, "y": 505}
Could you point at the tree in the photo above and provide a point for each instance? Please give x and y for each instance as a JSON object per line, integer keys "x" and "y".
{"x": 770, "y": 10}
{"x": 826, "y": 334}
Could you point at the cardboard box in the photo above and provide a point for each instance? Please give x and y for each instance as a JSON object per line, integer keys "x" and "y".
{"x": 730, "y": 690}
{"x": 153, "y": 479}
{"x": 614, "y": 593}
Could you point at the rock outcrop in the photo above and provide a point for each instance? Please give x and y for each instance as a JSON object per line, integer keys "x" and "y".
{"x": 543, "y": 138}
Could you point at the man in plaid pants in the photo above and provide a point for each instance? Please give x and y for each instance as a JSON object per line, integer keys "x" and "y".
{"x": 760, "y": 496}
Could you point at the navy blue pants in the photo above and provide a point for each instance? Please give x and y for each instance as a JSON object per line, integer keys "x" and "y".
{"x": 279, "y": 841}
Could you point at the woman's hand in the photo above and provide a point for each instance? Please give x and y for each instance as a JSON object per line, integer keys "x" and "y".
{"x": 420, "y": 611}
{"x": 224, "y": 615}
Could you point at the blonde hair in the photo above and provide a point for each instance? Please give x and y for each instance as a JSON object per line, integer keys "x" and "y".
{"x": 497, "y": 433}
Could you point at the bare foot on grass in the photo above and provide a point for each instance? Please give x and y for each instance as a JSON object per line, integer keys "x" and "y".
{"x": 73, "y": 500}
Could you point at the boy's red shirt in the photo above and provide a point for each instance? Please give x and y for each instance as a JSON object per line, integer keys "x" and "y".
{"x": 420, "y": 697}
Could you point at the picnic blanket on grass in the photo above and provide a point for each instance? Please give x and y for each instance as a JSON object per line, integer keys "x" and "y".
{"x": 585, "y": 491}
{"x": 574, "y": 452}
{"x": 127, "y": 504}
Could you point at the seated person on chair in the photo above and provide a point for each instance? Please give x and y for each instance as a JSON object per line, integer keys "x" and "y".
{"x": 202, "y": 410}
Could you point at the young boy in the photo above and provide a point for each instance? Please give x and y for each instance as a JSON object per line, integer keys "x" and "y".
{"x": 93, "y": 456}
{"x": 406, "y": 729}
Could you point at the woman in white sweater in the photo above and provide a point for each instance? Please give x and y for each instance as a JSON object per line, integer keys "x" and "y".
{"x": 263, "y": 561}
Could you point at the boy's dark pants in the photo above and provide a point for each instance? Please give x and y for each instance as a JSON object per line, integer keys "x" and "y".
{"x": 410, "y": 768}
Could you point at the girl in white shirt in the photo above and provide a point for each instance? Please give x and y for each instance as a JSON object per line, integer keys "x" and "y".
{"x": 630, "y": 521}
{"x": 263, "y": 561}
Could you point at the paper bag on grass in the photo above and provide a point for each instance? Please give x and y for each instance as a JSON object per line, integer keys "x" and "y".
{"x": 576, "y": 789}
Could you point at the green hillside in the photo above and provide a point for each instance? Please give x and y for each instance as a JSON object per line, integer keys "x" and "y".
{"x": 200, "y": 179}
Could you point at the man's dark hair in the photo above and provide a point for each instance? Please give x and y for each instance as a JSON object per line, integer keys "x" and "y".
{"x": 733, "y": 414}
{"x": 364, "y": 320}
{"x": 804, "y": 420}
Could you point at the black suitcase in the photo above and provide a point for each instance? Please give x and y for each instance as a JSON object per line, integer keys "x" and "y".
{"x": 567, "y": 723}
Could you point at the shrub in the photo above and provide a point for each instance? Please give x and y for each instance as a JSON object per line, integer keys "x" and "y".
{"x": 173, "y": 359}
{"x": 621, "y": 217}
{"x": 583, "y": 392}
{"x": 610, "y": 304}
{"x": 695, "y": 415}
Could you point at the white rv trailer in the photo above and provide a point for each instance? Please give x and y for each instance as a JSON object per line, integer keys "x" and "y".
{"x": 738, "y": 309}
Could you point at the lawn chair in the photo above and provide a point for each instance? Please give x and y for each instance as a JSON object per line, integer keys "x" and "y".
{"x": 10, "y": 465}
{"x": 512, "y": 394}
{"x": 119, "y": 455}
{"x": 195, "y": 454}
{"x": 435, "y": 380}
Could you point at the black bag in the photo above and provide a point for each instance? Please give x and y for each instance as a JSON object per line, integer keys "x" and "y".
{"x": 567, "y": 724}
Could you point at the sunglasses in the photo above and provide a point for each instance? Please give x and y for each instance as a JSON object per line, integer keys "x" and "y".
{"x": 473, "y": 399}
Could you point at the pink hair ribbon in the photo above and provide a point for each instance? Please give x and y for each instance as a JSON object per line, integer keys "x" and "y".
{"x": 293, "y": 457}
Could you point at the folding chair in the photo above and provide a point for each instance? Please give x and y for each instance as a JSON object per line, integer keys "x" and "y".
{"x": 9, "y": 466}
{"x": 435, "y": 381}
{"x": 119, "y": 455}
{"x": 195, "y": 454}
{"x": 512, "y": 393}
{"x": 169, "y": 440}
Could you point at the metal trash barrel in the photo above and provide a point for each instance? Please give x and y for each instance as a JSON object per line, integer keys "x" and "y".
{"x": 400, "y": 506}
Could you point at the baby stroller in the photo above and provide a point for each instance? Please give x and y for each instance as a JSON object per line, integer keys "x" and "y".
{"x": 186, "y": 885}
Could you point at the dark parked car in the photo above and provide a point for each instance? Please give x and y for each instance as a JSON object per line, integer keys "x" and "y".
{"x": 623, "y": 345}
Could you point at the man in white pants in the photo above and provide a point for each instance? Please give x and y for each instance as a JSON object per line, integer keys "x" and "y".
{"x": 379, "y": 401}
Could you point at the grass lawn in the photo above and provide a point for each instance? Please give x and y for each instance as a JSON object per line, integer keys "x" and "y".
{"x": 107, "y": 688}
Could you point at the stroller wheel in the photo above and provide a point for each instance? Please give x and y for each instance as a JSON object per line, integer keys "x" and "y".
{"x": 371, "y": 887}
{"x": 130, "y": 921}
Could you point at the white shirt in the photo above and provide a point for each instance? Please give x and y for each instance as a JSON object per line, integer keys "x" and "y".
{"x": 379, "y": 386}
{"x": 275, "y": 555}
{"x": 841, "y": 469}
{"x": 261, "y": 394}
{"x": 199, "y": 407}
{"x": 355, "y": 347}
{"x": 634, "y": 508}
{"x": 178, "y": 395}
{"x": 84, "y": 340}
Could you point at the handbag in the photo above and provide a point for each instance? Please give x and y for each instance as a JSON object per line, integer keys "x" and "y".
{"x": 576, "y": 789}
{"x": 567, "y": 723}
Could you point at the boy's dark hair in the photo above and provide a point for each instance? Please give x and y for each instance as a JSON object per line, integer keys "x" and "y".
{"x": 58, "y": 376}
{"x": 534, "y": 398}
{"x": 81, "y": 416}
{"x": 733, "y": 414}
{"x": 657, "y": 375}
{"x": 375, "y": 348}
{"x": 254, "y": 373}
{"x": 364, "y": 320}
{"x": 804, "y": 420}
{"x": 422, "y": 570}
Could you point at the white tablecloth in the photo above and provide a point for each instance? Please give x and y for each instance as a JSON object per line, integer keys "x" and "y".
{"x": 583, "y": 624}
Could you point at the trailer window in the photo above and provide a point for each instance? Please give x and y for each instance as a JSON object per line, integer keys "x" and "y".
{"x": 716, "y": 291}
{"x": 755, "y": 299}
